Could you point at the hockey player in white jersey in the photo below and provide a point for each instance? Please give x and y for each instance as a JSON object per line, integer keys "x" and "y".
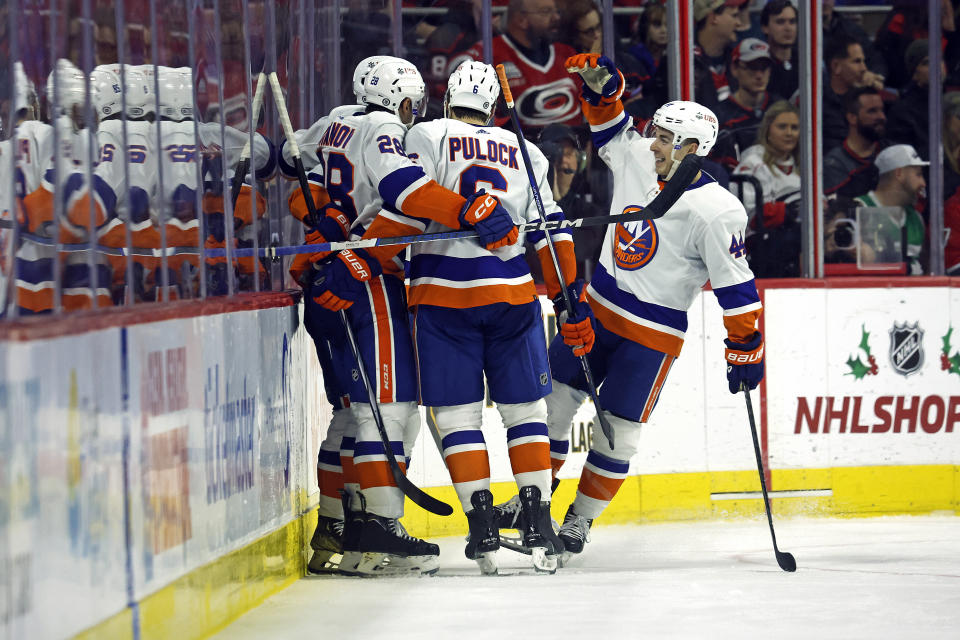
{"x": 650, "y": 273}
{"x": 366, "y": 170}
{"x": 308, "y": 139}
{"x": 476, "y": 313}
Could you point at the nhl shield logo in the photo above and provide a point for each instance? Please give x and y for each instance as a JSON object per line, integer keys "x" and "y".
{"x": 906, "y": 348}
{"x": 544, "y": 379}
{"x": 355, "y": 375}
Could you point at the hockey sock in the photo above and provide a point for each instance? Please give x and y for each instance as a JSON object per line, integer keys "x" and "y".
{"x": 599, "y": 482}
{"x": 351, "y": 484}
{"x": 558, "y": 454}
{"x": 376, "y": 480}
{"x": 330, "y": 481}
{"x": 529, "y": 449}
{"x": 465, "y": 454}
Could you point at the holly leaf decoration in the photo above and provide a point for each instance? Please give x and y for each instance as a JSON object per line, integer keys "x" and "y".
{"x": 863, "y": 339}
{"x": 857, "y": 368}
{"x": 946, "y": 341}
{"x": 955, "y": 364}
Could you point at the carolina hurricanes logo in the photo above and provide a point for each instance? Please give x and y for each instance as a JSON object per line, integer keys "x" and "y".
{"x": 546, "y": 103}
{"x": 636, "y": 248}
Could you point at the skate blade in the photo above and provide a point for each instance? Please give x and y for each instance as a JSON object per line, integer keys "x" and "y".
{"x": 349, "y": 563}
{"x": 514, "y": 543}
{"x": 487, "y": 563}
{"x": 542, "y": 561}
{"x": 324, "y": 561}
{"x": 375, "y": 564}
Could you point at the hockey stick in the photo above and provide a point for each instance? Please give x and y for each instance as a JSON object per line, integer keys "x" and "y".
{"x": 567, "y": 302}
{"x": 674, "y": 188}
{"x": 784, "y": 558}
{"x": 412, "y": 491}
{"x": 244, "y": 166}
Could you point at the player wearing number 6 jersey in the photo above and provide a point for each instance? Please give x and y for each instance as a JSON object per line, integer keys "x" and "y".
{"x": 476, "y": 312}
{"x": 365, "y": 170}
{"x": 650, "y": 273}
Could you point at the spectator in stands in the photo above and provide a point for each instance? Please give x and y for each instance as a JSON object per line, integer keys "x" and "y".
{"x": 534, "y": 61}
{"x": 836, "y": 25}
{"x": 907, "y": 23}
{"x": 444, "y": 38}
{"x": 643, "y": 64}
{"x": 716, "y": 31}
{"x": 848, "y": 170}
{"x": 845, "y": 71}
{"x": 561, "y": 146}
{"x": 778, "y": 20}
{"x": 951, "y": 145}
{"x": 901, "y": 183}
{"x": 773, "y": 245}
{"x": 909, "y": 115}
{"x": 740, "y": 114}
{"x": 581, "y": 26}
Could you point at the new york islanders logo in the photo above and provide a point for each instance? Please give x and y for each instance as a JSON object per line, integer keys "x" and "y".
{"x": 635, "y": 248}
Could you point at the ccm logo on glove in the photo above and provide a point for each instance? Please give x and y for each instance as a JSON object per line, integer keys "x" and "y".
{"x": 482, "y": 211}
{"x": 360, "y": 270}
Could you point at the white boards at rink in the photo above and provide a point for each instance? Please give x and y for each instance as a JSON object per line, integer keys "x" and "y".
{"x": 157, "y": 475}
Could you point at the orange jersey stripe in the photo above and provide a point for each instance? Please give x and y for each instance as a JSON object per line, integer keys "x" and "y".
{"x": 568, "y": 264}
{"x": 530, "y": 457}
{"x": 599, "y": 487}
{"x": 468, "y": 466}
{"x": 436, "y": 203}
{"x": 454, "y": 298}
{"x": 648, "y": 337}
{"x": 384, "y": 227}
{"x": 36, "y": 301}
{"x": 298, "y": 205}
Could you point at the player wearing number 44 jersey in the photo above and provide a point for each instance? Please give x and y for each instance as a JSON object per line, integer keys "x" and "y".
{"x": 650, "y": 273}
{"x": 365, "y": 171}
{"x": 476, "y": 312}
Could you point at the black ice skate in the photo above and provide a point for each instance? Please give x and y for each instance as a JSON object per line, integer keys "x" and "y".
{"x": 386, "y": 549}
{"x": 484, "y": 539}
{"x": 574, "y": 532}
{"x": 353, "y": 522}
{"x": 538, "y": 534}
{"x": 327, "y": 545}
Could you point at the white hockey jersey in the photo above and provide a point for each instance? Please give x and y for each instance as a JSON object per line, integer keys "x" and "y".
{"x": 651, "y": 271}
{"x": 780, "y": 183}
{"x": 308, "y": 141}
{"x": 466, "y": 158}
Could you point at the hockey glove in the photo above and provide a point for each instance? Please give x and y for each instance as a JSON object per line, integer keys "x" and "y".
{"x": 601, "y": 79}
{"x": 340, "y": 283}
{"x": 330, "y": 225}
{"x": 576, "y": 329}
{"x": 494, "y": 225}
{"x": 744, "y": 362}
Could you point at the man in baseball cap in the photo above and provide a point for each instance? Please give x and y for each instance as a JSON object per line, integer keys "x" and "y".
{"x": 741, "y": 113}
{"x": 716, "y": 25}
{"x": 901, "y": 229}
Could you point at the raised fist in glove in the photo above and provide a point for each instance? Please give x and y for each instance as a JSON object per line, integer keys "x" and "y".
{"x": 576, "y": 329}
{"x": 744, "y": 362}
{"x": 340, "y": 283}
{"x": 494, "y": 225}
{"x": 601, "y": 79}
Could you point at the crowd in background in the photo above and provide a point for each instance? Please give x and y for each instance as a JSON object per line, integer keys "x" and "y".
{"x": 874, "y": 111}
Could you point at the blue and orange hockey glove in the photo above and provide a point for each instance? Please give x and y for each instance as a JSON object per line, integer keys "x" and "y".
{"x": 601, "y": 79}
{"x": 494, "y": 225}
{"x": 744, "y": 362}
{"x": 576, "y": 329}
{"x": 340, "y": 283}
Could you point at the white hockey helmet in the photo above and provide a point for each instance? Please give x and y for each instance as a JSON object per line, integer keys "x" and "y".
{"x": 393, "y": 81}
{"x": 141, "y": 96}
{"x": 105, "y": 91}
{"x": 362, "y": 71}
{"x": 176, "y": 93}
{"x": 25, "y": 93}
{"x": 473, "y": 85}
{"x": 686, "y": 121}
{"x": 71, "y": 88}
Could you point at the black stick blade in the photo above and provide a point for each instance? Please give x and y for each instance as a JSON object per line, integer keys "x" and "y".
{"x": 682, "y": 178}
{"x": 421, "y": 498}
{"x": 786, "y": 561}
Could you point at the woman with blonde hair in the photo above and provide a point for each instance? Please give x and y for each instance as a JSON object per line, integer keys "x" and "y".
{"x": 773, "y": 243}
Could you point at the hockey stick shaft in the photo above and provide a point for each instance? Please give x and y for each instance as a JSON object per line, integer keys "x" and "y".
{"x": 786, "y": 560}
{"x": 605, "y": 425}
{"x": 412, "y": 491}
{"x": 244, "y": 166}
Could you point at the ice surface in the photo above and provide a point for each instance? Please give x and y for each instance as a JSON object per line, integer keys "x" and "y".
{"x": 892, "y": 577}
